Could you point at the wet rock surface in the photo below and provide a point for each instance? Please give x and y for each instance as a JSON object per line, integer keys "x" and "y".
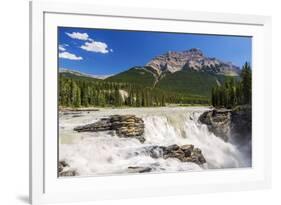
{"x": 236, "y": 122}
{"x": 241, "y": 123}
{"x": 218, "y": 121}
{"x": 65, "y": 170}
{"x": 184, "y": 153}
{"x": 138, "y": 169}
{"x": 124, "y": 125}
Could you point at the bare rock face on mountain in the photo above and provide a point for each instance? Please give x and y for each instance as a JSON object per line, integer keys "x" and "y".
{"x": 192, "y": 59}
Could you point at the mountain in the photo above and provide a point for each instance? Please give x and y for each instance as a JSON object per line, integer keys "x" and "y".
{"x": 136, "y": 75}
{"x": 192, "y": 59}
{"x": 77, "y": 75}
{"x": 189, "y": 73}
{"x": 190, "y": 83}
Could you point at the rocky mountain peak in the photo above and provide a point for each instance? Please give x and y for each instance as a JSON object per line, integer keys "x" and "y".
{"x": 192, "y": 59}
{"x": 194, "y": 52}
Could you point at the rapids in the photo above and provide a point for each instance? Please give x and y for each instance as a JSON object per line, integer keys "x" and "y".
{"x": 100, "y": 153}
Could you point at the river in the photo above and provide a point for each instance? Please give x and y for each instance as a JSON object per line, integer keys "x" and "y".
{"x": 104, "y": 153}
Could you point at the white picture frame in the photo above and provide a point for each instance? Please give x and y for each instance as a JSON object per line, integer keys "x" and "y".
{"x": 46, "y": 187}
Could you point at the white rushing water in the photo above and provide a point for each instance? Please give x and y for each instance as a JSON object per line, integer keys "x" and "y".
{"x": 98, "y": 153}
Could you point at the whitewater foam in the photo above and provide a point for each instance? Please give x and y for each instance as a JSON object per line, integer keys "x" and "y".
{"x": 100, "y": 153}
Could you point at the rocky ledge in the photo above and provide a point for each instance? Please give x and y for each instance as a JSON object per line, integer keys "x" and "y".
{"x": 125, "y": 126}
{"x": 184, "y": 153}
{"x": 218, "y": 122}
{"x": 241, "y": 123}
{"x": 236, "y": 122}
{"x": 65, "y": 170}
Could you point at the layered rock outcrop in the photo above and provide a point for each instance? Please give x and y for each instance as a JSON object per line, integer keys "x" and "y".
{"x": 224, "y": 123}
{"x": 184, "y": 153}
{"x": 218, "y": 121}
{"x": 125, "y": 126}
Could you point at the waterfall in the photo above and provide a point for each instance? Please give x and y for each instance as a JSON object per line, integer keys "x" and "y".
{"x": 100, "y": 153}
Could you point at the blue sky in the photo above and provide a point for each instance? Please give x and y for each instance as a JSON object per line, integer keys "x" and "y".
{"x": 106, "y": 52}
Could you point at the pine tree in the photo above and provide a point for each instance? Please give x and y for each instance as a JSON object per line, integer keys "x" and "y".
{"x": 117, "y": 97}
{"x": 75, "y": 95}
{"x": 233, "y": 93}
{"x": 138, "y": 99}
{"x": 163, "y": 100}
{"x": 246, "y": 76}
{"x": 102, "y": 101}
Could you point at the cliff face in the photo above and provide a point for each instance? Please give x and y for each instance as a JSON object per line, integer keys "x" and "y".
{"x": 241, "y": 123}
{"x": 224, "y": 123}
{"x": 192, "y": 59}
{"x": 218, "y": 121}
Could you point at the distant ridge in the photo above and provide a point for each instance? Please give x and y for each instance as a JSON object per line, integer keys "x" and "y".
{"x": 77, "y": 73}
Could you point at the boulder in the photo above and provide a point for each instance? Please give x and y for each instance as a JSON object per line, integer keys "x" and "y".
{"x": 173, "y": 147}
{"x": 187, "y": 149}
{"x": 65, "y": 170}
{"x": 62, "y": 165}
{"x": 184, "y": 153}
{"x": 138, "y": 169}
{"x": 69, "y": 173}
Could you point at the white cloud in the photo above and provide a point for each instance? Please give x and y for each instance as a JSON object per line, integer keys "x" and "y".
{"x": 70, "y": 56}
{"x": 111, "y": 50}
{"x": 61, "y": 48}
{"x": 90, "y": 44}
{"x": 79, "y": 36}
{"x": 95, "y": 46}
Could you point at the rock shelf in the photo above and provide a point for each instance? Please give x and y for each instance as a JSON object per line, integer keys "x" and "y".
{"x": 127, "y": 126}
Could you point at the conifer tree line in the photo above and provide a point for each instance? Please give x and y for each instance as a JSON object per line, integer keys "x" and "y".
{"x": 83, "y": 93}
{"x": 234, "y": 92}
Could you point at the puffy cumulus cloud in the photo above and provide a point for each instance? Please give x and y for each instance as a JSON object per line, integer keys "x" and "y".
{"x": 95, "y": 46}
{"x": 79, "y": 36}
{"x": 90, "y": 45}
{"x": 70, "y": 56}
